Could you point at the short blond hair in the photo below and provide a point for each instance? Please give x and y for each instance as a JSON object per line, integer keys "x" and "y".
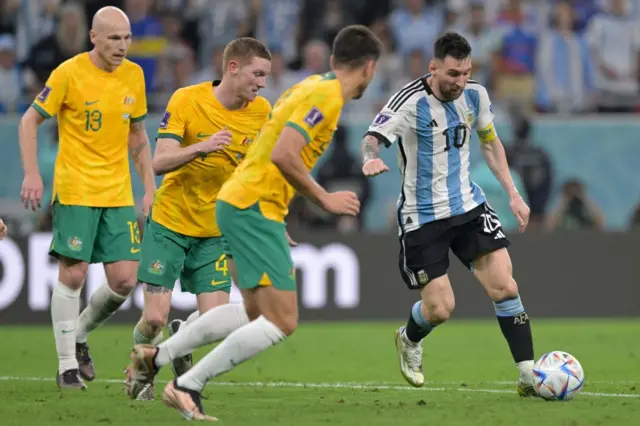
{"x": 243, "y": 50}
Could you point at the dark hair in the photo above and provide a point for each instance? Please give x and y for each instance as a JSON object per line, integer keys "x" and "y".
{"x": 354, "y": 45}
{"x": 451, "y": 44}
{"x": 244, "y": 49}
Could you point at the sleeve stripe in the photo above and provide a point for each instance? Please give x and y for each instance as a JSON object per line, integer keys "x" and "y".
{"x": 40, "y": 110}
{"x": 169, "y": 136}
{"x": 397, "y": 97}
{"x": 136, "y": 119}
{"x": 300, "y": 130}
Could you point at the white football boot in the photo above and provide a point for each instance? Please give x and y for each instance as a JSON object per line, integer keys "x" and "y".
{"x": 526, "y": 386}
{"x": 410, "y": 355}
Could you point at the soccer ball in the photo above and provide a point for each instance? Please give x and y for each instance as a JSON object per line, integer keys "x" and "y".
{"x": 558, "y": 376}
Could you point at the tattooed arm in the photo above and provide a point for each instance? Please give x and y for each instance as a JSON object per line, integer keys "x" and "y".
{"x": 372, "y": 164}
{"x": 140, "y": 152}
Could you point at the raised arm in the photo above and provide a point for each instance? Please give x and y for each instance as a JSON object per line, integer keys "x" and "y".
{"x": 390, "y": 124}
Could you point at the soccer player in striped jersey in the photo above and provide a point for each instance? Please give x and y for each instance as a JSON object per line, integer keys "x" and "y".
{"x": 440, "y": 208}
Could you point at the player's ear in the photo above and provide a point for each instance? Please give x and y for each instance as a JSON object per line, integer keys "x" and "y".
{"x": 432, "y": 66}
{"x": 332, "y": 62}
{"x": 93, "y": 36}
{"x": 233, "y": 67}
{"x": 370, "y": 69}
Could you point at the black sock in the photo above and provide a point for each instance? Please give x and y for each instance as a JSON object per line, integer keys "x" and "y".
{"x": 516, "y": 328}
{"x": 417, "y": 326}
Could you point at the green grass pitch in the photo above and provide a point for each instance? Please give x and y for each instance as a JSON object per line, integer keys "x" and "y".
{"x": 342, "y": 374}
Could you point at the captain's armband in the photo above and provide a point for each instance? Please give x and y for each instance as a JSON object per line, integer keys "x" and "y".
{"x": 487, "y": 134}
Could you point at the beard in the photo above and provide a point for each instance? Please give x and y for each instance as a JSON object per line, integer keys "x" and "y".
{"x": 450, "y": 94}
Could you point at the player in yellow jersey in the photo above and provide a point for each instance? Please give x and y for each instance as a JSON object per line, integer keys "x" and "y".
{"x": 99, "y": 98}
{"x": 204, "y": 134}
{"x": 250, "y": 210}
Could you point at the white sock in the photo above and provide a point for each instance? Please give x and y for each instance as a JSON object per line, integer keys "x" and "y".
{"x": 190, "y": 319}
{"x": 214, "y": 325}
{"x": 241, "y": 345}
{"x": 103, "y": 304}
{"x": 139, "y": 338}
{"x": 65, "y": 306}
{"x": 525, "y": 367}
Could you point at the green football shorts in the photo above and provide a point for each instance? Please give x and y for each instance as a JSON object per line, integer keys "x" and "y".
{"x": 259, "y": 247}
{"x": 200, "y": 263}
{"x": 95, "y": 234}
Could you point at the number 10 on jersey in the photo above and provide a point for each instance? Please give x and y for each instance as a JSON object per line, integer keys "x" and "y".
{"x": 456, "y": 135}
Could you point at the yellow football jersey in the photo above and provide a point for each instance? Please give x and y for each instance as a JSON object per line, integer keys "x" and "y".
{"x": 186, "y": 200}
{"x": 95, "y": 109}
{"x": 313, "y": 108}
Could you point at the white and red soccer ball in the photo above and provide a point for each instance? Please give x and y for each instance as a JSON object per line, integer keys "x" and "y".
{"x": 558, "y": 376}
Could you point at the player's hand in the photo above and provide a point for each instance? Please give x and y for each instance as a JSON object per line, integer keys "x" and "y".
{"x": 290, "y": 240}
{"x": 3, "y": 230}
{"x": 147, "y": 201}
{"x": 374, "y": 167}
{"x": 217, "y": 142}
{"x": 342, "y": 202}
{"x": 520, "y": 211}
{"x": 31, "y": 194}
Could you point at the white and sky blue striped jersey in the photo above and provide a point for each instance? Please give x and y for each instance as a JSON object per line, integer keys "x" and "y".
{"x": 433, "y": 150}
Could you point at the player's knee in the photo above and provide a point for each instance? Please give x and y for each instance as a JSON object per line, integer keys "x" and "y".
{"x": 503, "y": 289}
{"x": 122, "y": 284}
{"x": 440, "y": 312}
{"x": 73, "y": 273}
{"x": 286, "y": 323}
{"x": 288, "y": 326}
{"x": 154, "y": 323}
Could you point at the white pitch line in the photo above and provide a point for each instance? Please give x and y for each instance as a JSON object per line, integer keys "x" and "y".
{"x": 355, "y": 386}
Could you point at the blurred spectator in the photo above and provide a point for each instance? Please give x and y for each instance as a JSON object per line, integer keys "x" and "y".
{"x": 176, "y": 69}
{"x": 10, "y": 80}
{"x": 176, "y": 59}
{"x": 280, "y": 78}
{"x": 148, "y": 41}
{"x": 575, "y": 209}
{"x": 36, "y": 20}
{"x": 69, "y": 39}
{"x": 324, "y": 18}
{"x": 191, "y": 13}
{"x": 315, "y": 59}
{"x": 614, "y": 39}
{"x": 221, "y": 23}
{"x": 485, "y": 43}
{"x": 390, "y": 66}
{"x": 564, "y": 73}
{"x": 533, "y": 165}
{"x": 416, "y": 26}
{"x": 278, "y": 25}
{"x": 417, "y": 65}
{"x": 213, "y": 68}
{"x": 8, "y": 16}
{"x": 514, "y": 74}
{"x": 583, "y": 11}
{"x": 634, "y": 223}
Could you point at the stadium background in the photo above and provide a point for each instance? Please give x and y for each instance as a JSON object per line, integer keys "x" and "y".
{"x": 563, "y": 77}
